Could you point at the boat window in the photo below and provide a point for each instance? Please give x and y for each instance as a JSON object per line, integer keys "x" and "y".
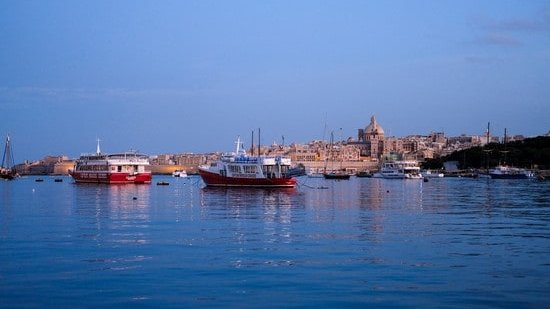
{"x": 234, "y": 168}
{"x": 269, "y": 171}
{"x": 120, "y": 168}
{"x": 250, "y": 169}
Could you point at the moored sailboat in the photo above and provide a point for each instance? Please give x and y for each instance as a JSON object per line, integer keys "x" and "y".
{"x": 339, "y": 174}
{"x": 7, "y": 169}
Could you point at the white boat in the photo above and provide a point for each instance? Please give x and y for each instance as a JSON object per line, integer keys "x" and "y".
{"x": 238, "y": 169}
{"x": 315, "y": 175}
{"x": 431, "y": 174}
{"x": 508, "y": 172}
{"x": 399, "y": 170}
{"x": 118, "y": 168}
{"x": 179, "y": 173}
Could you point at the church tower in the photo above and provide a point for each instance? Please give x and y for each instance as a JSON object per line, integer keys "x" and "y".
{"x": 372, "y": 137}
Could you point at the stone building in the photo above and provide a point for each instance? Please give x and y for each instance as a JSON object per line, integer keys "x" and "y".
{"x": 371, "y": 140}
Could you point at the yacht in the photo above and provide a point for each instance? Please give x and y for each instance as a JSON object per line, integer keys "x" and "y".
{"x": 399, "y": 170}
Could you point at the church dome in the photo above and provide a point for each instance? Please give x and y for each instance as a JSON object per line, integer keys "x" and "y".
{"x": 374, "y": 127}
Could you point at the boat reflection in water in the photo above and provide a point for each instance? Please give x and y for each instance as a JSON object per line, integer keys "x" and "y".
{"x": 114, "y": 214}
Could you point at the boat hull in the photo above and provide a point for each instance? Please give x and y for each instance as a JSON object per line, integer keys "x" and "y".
{"x": 216, "y": 180}
{"x": 336, "y": 176}
{"x": 509, "y": 176}
{"x": 111, "y": 178}
{"x": 7, "y": 176}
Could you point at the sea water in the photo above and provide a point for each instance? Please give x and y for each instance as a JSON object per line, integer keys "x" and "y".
{"x": 353, "y": 243}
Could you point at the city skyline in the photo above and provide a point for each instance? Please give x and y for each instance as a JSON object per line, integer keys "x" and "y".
{"x": 191, "y": 76}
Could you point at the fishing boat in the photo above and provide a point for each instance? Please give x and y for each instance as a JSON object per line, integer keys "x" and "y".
{"x": 399, "y": 170}
{"x": 508, "y": 172}
{"x": 117, "y": 168}
{"x": 238, "y": 169}
{"x": 7, "y": 169}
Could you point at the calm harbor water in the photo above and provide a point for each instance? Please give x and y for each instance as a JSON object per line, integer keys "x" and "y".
{"x": 443, "y": 243}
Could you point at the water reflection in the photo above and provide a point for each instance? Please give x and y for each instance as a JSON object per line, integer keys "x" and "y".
{"x": 257, "y": 222}
{"x": 360, "y": 242}
{"x": 113, "y": 213}
{"x": 5, "y": 208}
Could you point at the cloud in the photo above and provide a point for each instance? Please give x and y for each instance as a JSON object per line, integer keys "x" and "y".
{"x": 480, "y": 59}
{"x": 75, "y": 95}
{"x": 508, "y": 32}
{"x": 516, "y": 25}
{"x": 497, "y": 39}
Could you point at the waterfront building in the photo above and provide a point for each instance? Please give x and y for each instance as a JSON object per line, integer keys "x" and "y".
{"x": 189, "y": 162}
{"x": 45, "y": 166}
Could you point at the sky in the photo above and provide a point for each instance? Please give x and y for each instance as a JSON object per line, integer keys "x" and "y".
{"x": 190, "y": 76}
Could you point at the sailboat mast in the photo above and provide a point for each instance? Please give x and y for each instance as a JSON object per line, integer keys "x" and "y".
{"x": 488, "y": 131}
{"x": 7, "y": 158}
{"x": 505, "y": 138}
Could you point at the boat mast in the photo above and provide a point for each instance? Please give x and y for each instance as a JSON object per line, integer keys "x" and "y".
{"x": 259, "y": 146}
{"x": 487, "y": 151}
{"x": 341, "y": 150}
{"x": 505, "y": 151}
{"x": 252, "y": 144}
{"x": 7, "y": 158}
{"x": 329, "y": 157}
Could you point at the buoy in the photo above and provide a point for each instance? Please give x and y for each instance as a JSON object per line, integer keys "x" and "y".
{"x": 425, "y": 179}
{"x": 162, "y": 183}
{"x": 134, "y": 198}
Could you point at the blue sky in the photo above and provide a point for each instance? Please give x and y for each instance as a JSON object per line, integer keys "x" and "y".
{"x": 189, "y": 76}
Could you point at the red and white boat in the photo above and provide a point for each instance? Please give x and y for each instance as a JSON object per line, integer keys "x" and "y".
{"x": 237, "y": 169}
{"x": 117, "y": 168}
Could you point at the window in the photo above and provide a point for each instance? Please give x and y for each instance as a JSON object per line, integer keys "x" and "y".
{"x": 234, "y": 168}
{"x": 250, "y": 169}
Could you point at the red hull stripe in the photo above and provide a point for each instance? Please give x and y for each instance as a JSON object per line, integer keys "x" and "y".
{"x": 216, "y": 180}
{"x": 110, "y": 178}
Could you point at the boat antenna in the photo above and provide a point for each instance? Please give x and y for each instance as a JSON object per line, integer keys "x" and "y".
{"x": 238, "y": 142}
{"x": 98, "y": 150}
